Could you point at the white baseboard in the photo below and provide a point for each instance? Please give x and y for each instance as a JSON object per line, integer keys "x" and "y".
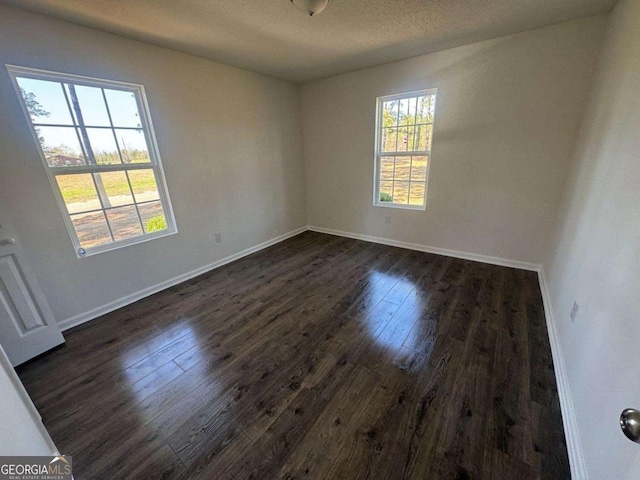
{"x": 503, "y": 262}
{"x": 134, "y": 297}
{"x": 569, "y": 421}
{"x": 76, "y": 320}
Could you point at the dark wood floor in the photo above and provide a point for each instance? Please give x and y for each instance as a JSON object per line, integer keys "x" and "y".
{"x": 320, "y": 357}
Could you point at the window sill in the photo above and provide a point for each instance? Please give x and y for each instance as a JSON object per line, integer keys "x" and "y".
{"x": 401, "y": 206}
{"x": 125, "y": 243}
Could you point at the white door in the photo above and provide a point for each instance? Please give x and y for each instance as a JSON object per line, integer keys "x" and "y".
{"x": 27, "y": 326}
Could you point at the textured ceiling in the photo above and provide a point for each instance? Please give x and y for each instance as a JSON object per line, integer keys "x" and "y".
{"x": 273, "y": 37}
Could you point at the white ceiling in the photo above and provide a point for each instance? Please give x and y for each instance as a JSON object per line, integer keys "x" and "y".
{"x": 273, "y": 37}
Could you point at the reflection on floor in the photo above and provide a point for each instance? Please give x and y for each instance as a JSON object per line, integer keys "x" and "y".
{"x": 320, "y": 357}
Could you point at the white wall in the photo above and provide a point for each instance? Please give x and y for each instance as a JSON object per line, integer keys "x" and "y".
{"x": 229, "y": 139}
{"x": 507, "y": 115}
{"x": 595, "y": 259}
{"x": 21, "y": 430}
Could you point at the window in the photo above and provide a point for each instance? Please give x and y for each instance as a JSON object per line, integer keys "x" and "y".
{"x": 100, "y": 154}
{"x": 404, "y": 131}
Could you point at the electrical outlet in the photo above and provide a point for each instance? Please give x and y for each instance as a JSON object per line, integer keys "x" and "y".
{"x": 218, "y": 237}
{"x": 387, "y": 219}
{"x": 574, "y": 311}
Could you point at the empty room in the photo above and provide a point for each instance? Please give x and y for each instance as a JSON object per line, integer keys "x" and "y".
{"x": 319, "y": 239}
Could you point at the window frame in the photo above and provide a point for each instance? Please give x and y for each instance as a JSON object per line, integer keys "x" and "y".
{"x": 155, "y": 163}
{"x": 378, "y": 154}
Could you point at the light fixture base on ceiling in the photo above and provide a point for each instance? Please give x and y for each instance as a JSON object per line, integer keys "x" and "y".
{"x": 310, "y": 7}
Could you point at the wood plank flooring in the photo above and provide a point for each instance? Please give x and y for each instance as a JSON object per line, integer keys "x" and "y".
{"x": 318, "y": 358}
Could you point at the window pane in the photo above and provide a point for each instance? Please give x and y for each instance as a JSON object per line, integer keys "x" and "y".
{"x": 390, "y": 113}
{"x": 124, "y": 222}
{"x": 60, "y": 146}
{"x": 79, "y": 192}
{"x": 404, "y": 111}
{"x": 429, "y": 131}
{"x": 423, "y": 137}
{"x": 420, "y": 134}
{"x": 419, "y": 168}
{"x": 403, "y": 168}
{"x": 45, "y": 101}
{"x": 426, "y": 109}
{"x": 417, "y": 194}
{"x": 133, "y": 146}
{"x": 92, "y": 106}
{"x": 143, "y": 183}
{"x": 386, "y": 191}
{"x": 123, "y": 108}
{"x": 103, "y": 145}
{"x": 116, "y": 188}
{"x": 413, "y": 104}
{"x": 153, "y": 218}
{"x": 402, "y": 139}
{"x": 386, "y": 168}
{"x": 389, "y": 137}
{"x": 410, "y": 139}
{"x": 400, "y": 192}
{"x": 91, "y": 229}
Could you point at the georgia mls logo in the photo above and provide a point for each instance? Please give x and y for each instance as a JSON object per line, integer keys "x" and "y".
{"x": 36, "y": 468}
{"x": 57, "y": 468}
